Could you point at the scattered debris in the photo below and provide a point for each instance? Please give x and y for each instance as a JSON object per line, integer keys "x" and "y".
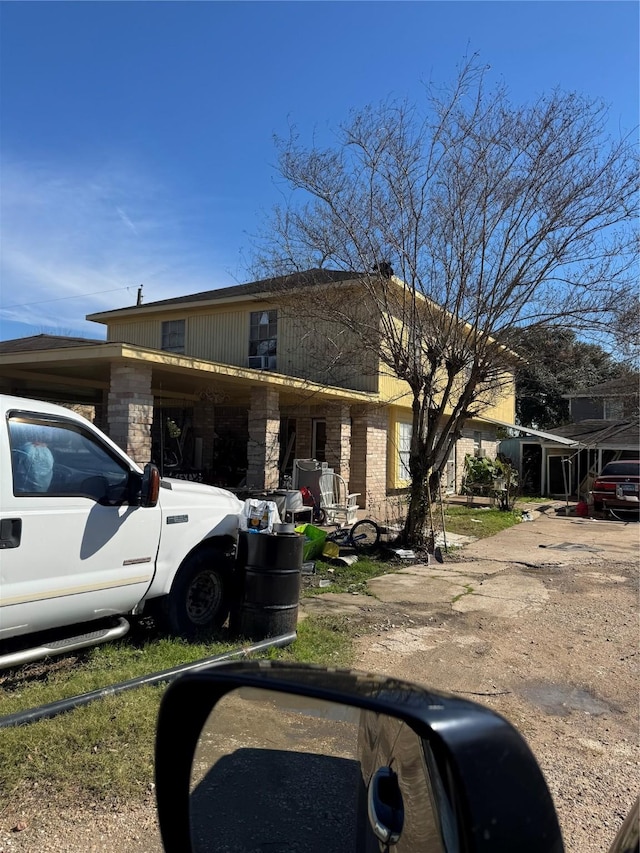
{"x": 309, "y": 568}
{"x": 347, "y": 559}
{"x": 404, "y": 553}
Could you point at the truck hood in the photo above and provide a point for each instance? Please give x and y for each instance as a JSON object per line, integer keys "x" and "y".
{"x": 184, "y": 492}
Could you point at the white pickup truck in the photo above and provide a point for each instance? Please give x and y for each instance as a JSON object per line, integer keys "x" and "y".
{"x": 86, "y": 534}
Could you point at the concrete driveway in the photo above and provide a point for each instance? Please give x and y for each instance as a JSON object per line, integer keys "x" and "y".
{"x": 540, "y": 623}
{"x": 480, "y": 576}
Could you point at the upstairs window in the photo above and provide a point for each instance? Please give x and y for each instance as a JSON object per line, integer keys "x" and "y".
{"x": 263, "y": 339}
{"x": 173, "y": 336}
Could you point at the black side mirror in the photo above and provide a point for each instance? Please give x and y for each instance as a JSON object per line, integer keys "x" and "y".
{"x": 266, "y": 755}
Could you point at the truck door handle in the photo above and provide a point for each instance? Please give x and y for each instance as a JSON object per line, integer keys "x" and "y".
{"x": 385, "y": 806}
{"x": 10, "y": 532}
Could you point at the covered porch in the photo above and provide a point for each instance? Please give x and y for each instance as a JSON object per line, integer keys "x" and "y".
{"x": 224, "y": 425}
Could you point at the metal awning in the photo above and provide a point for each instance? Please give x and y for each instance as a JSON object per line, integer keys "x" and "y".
{"x": 549, "y": 436}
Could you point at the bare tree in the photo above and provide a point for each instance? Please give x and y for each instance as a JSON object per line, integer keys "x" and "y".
{"x": 462, "y": 221}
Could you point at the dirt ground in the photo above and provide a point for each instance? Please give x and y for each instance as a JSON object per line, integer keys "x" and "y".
{"x": 539, "y": 622}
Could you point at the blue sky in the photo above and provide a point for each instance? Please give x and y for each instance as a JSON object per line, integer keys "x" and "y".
{"x": 136, "y": 139}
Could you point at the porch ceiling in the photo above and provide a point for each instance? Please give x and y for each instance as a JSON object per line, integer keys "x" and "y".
{"x": 84, "y": 373}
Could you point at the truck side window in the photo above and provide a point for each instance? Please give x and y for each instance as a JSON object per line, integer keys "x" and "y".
{"x": 61, "y": 459}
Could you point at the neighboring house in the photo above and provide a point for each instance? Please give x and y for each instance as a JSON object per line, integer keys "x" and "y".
{"x": 614, "y": 400}
{"x": 250, "y": 383}
{"x": 565, "y": 460}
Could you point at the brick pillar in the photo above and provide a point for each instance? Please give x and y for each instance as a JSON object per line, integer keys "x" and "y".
{"x": 130, "y": 410}
{"x": 338, "y": 449}
{"x": 464, "y": 445}
{"x": 303, "y": 433}
{"x": 264, "y": 439}
{"x": 369, "y": 456}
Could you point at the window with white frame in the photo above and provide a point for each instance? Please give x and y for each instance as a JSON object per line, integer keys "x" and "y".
{"x": 263, "y": 339}
{"x": 404, "y": 449}
{"x": 173, "y": 336}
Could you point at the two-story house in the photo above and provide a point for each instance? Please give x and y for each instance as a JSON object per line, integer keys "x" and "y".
{"x": 251, "y": 380}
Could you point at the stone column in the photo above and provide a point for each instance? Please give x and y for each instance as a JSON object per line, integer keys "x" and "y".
{"x": 369, "y": 457}
{"x": 338, "y": 449}
{"x": 264, "y": 439}
{"x": 130, "y": 410}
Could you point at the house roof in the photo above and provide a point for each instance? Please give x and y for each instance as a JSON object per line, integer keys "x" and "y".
{"x": 36, "y": 343}
{"x": 590, "y": 433}
{"x": 293, "y": 281}
{"x": 622, "y": 387}
{"x": 599, "y": 433}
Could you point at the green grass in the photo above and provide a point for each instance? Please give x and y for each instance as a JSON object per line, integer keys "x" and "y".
{"x": 320, "y": 640}
{"x": 479, "y": 522}
{"x": 101, "y": 751}
{"x": 345, "y": 578}
{"x": 107, "y": 744}
{"x": 104, "y": 750}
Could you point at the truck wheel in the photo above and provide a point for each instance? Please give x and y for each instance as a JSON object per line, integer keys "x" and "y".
{"x": 199, "y": 600}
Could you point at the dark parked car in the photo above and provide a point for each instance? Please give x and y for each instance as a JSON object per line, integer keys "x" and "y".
{"x": 617, "y": 486}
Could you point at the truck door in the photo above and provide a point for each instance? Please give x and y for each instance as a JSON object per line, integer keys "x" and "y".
{"x": 74, "y": 545}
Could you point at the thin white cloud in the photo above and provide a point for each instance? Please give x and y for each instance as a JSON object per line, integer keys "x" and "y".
{"x": 126, "y": 220}
{"x": 76, "y": 243}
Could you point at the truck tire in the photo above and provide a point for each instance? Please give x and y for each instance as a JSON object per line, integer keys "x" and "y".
{"x": 200, "y": 595}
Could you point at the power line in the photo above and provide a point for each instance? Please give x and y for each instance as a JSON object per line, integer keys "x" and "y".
{"x": 62, "y": 298}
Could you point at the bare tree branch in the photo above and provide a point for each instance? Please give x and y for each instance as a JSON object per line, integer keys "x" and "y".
{"x": 493, "y": 217}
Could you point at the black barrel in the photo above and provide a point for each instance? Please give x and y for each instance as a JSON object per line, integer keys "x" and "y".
{"x": 270, "y": 568}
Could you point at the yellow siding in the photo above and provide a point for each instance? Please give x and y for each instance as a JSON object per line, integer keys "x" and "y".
{"x": 143, "y": 333}
{"x": 503, "y": 407}
{"x": 500, "y": 404}
{"x": 222, "y": 337}
{"x": 325, "y": 352}
{"x": 394, "y": 390}
{"x": 319, "y": 350}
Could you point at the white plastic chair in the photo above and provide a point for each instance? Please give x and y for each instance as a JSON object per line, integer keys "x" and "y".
{"x": 339, "y": 504}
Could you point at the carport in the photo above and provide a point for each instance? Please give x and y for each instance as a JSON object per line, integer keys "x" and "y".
{"x": 571, "y": 455}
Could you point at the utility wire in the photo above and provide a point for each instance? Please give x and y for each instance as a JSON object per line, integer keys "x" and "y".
{"x": 62, "y": 298}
